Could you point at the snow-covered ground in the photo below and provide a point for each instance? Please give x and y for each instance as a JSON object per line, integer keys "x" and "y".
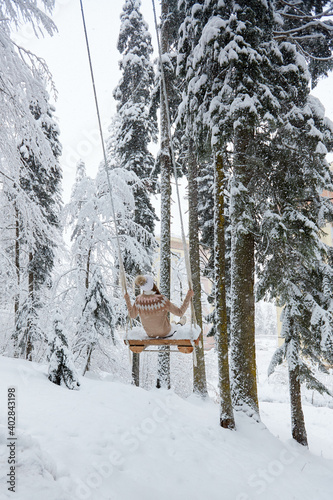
{"x": 113, "y": 441}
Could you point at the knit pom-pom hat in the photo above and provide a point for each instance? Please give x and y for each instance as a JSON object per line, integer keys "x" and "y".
{"x": 145, "y": 282}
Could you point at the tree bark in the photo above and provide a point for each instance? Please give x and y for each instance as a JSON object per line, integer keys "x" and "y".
{"x": 243, "y": 356}
{"x": 18, "y": 278}
{"x": 87, "y": 365}
{"x": 29, "y": 345}
{"x": 88, "y": 269}
{"x": 136, "y": 368}
{"x": 226, "y": 411}
{"x": 199, "y": 372}
{"x": 163, "y": 378}
{"x": 297, "y": 416}
{"x": 298, "y": 430}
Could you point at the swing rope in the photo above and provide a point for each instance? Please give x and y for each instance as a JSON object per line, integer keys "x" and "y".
{"x": 121, "y": 264}
{"x": 173, "y": 161}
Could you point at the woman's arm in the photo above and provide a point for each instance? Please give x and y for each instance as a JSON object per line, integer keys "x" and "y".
{"x": 179, "y": 311}
{"x": 132, "y": 309}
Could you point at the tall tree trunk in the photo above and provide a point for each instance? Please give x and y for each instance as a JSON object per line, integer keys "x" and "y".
{"x": 87, "y": 365}
{"x": 136, "y": 365}
{"x": 243, "y": 357}
{"x": 88, "y": 269}
{"x": 29, "y": 345}
{"x": 136, "y": 368}
{"x": 163, "y": 379}
{"x": 199, "y": 372}
{"x": 226, "y": 412}
{"x": 18, "y": 280}
{"x": 297, "y": 416}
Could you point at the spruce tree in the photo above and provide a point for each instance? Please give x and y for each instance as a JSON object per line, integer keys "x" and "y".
{"x": 134, "y": 238}
{"x": 295, "y": 264}
{"x": 242, "y": 104}
{"x": 61, "y": 364}
{"x": 22, "y": 82}
{"x": 136, "y": 128}
{"x": 223, "y": 104}
{"x": 40, "y": 182}
{"x": 308, "y": 25}
{"x": 97, "y": 320}
{"x": 136, "y": 124}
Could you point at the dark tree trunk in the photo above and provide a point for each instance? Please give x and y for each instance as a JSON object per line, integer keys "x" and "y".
{"x": 243, "y": 356}
{"x": 136, "y": 368}
{"x": 18, "y": 279}
{"x": 163, "y": 378}
{"x": 29, "y": 345}
{"x": 199, "y": 372}
{"x": 226, "y": 412}
{"x": 297, "y": 417}
{"x": 88, "y": 269}
{"x": 87, "y": 365}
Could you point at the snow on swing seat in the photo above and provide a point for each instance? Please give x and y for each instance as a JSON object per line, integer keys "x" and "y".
{"x": 183, "y": 338}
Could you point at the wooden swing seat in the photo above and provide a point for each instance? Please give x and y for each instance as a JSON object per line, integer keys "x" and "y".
{"x": 184, "y": 345}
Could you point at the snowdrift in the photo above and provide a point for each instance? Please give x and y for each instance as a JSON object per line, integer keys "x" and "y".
{"x": 111, "y": 441}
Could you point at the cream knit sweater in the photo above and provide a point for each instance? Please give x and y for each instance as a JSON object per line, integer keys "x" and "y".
{"x": 153, "y": 311}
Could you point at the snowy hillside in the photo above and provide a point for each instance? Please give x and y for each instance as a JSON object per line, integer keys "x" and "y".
{"x": 112, "y": 441}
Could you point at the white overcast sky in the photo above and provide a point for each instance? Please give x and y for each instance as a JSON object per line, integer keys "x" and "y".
{"x": 65, "y": 54}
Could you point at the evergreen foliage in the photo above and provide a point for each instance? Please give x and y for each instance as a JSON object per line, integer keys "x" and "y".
{"x": 97, "y": 320}
{"x": 26, "y": 142}
{"x": 308, "y": 24}
{"x": 61, "y": 364}
{"x": 40, "y": 184}
{"x": 295, "y": 265}
{"x": 136, "y": 123}
{"x": 247, "y": 90}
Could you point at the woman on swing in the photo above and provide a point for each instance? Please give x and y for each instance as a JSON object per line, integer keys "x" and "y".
{"x": 153, "y": 308}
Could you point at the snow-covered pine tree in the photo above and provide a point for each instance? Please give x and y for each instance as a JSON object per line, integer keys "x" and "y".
{"x": 41, "y": 185}
{"x": 136, "y": 125}
{"x": 22, "y": 83}
{"x": 222, "y": 96}
{"x": 94, "y": 251}
{"x": 295, "y": 265}
{"x": 89, "y": 241}
{"x": 89, "y": 217}
{"x": 81, "y": 217}
{"x": 135, "y": 239}
{"x": 97, "y": 320}
{"x": 171, "y": 18}
{"x": 242, "y": 108}
{"x": 62, "y": 370}
{"x": 308, "y": 24}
